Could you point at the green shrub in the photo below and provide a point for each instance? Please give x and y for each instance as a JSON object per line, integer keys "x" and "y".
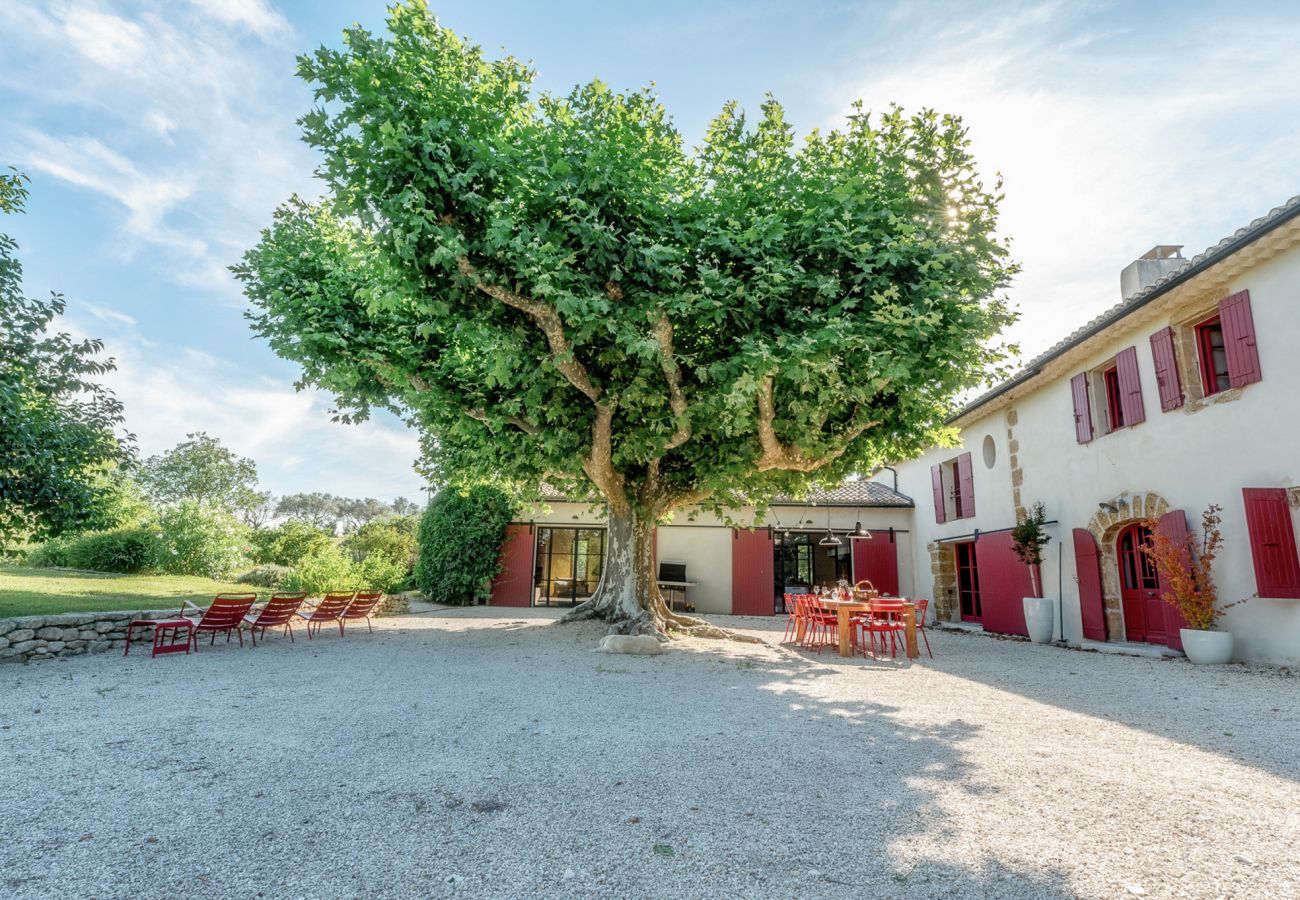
{"x": 289, "y": 543}
{"x": 459, "y": 541}
{"x": 267, "y": 575}
{"x": 200, "y": 540}
{"x": 51, "y": 554}
{"x": 328, "y": 569}
{"x": 392, "y": 539}
{"x": 124, "y": 550}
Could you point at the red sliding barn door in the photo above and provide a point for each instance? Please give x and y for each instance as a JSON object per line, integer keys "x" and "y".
{"x": 1087, "y": 566}
{"x": 514, "y": 586}
{"x": 1004, "y": 582}
{"x": 753, "y": 591}
{"x": 876, "y": 560}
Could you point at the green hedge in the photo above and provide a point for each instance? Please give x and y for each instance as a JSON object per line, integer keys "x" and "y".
{"x": 124, "y": 550}
{"x": 460, "y": 540}
{"x": 288, "y": 544}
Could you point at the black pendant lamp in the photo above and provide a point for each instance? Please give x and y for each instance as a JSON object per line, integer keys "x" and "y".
{"x": 830, "y": 540}
{"x": 859, "y": 533}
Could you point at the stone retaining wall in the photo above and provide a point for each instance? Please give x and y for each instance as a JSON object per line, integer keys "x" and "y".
{"x": 71, "y": 634}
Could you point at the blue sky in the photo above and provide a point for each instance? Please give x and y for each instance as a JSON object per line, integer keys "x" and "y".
{"x": 160, "y": 135}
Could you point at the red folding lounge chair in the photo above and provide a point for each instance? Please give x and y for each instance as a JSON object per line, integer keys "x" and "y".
{"x": 360, "y": 608}
{"x": 226, "y": 613}
{"x": 277, "y": 612}
{"x": 329, "y": 609}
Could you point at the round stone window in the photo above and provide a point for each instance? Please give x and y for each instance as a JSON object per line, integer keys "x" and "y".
{"x": 990, "y": 451}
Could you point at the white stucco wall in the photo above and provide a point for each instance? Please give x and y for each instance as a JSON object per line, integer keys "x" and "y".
{"x": 1192, "y": 457}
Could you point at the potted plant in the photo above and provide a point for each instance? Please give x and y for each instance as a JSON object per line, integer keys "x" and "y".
{"x": 1186, "y": 573}
{"x": 1028, "y": 540}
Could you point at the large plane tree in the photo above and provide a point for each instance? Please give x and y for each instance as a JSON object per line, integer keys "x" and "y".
{"x": 557, "y": 288}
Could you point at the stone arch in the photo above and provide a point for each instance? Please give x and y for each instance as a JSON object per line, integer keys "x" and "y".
{"x": 1105, "y": 527}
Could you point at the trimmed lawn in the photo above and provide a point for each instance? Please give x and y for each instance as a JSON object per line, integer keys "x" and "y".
{"x": 37, "y": 592}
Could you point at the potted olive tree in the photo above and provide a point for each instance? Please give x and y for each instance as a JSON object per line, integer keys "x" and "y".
{"x": 1028, "y": 540}
{"x": 1186, "y": 573}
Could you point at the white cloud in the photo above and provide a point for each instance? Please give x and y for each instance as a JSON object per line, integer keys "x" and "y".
{"x": 109, "y": 40}
{"x": 1105, "y": 151}
{"x": 255, "y": 15}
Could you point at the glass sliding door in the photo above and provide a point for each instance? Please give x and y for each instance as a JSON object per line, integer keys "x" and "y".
{"x": 569, "y": 563}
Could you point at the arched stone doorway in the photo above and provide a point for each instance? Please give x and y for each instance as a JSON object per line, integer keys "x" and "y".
{"x": 1105, "y": 527}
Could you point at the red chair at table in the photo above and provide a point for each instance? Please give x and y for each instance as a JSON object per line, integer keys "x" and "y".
{"x": 360, "y": 608}
{"x": 823, "y": 623}
{"x": 225, "y": 613}
{"x": 279, "y": 611}
{"x": 329, "y": 609}
{"x": 884, "y": 618}
{"x": 921, "y": 607}
{"x": 793, "y": 615}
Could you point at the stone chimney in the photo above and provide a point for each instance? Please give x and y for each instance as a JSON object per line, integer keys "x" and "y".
{"x": 1144, "y": 271}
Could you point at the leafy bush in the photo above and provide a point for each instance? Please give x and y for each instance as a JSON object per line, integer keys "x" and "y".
{"x": 267, "y": 575}
{"x": 124, "y": 550}
{"x": 288, "y": 544}
{"x": 200, "y": 540}
{"x": 460, "y": 535}
{"x": 51, "y": 554}
{"x": 392, "y": 539}
{"x": 334, "y": 569}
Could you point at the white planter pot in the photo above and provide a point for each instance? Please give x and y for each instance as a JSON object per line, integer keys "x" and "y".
{"x": 1040, "y": 618}
{"x": 1207, "y": 648}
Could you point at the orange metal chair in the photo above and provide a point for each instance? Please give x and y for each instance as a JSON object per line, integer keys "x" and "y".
{"x": 278, "y": 611}
{"x": 360, "y": 608}
{"x": 225, "y": 613}
{"x": 329, "y": 609}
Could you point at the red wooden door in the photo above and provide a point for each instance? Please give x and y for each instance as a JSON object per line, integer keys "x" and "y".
{"x": 514, "y": 586}
{"x": 1139, "y": 587}
{"x": 876, "y": 560}
{"x": 1004, "y": 583}
{"x": 1087, "y": 567}
{"x": 753, "y": 591}
{"x": 968, "y": 582}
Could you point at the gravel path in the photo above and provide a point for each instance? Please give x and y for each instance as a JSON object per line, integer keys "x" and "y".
{"x": 490, "y": 753}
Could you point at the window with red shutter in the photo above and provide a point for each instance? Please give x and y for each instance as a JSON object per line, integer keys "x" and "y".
{"x": 1239, "y": 339}
{"x": 1082, "y": 408}
{"x": 1272, "y": 543}
{"x": 1212, "y": 354}
{"x": 1114, "y": 406}
{"x": 1130, "y": 387}
{"x": 965, "y": 486}
{"x": 936, "y": 481}
{"x": 1166, "y": 363}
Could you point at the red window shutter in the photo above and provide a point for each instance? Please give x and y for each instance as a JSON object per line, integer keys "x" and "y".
{"x": 1130, "y": 386}
{"x": 1167, "y": 381}
{"x": 1239, "y": 339}
{"x": 1087, "y": 566}
{"x": 1272, "y": 543}
{"x": 1173, "y": 525}
{"x": 1082, "y": 408}
{"x": 753, "y": 591}
{"x": 936, "y": 480}
{"x": 966, "y": 485}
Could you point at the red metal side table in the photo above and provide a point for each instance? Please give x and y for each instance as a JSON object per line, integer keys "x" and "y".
{"x": 166, "y": 634}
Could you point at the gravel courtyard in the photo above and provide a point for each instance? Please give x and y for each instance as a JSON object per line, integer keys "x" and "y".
{"x": 490, "y": 753}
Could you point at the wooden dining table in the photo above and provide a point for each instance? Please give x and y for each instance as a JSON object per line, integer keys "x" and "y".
{"x": 846, "y": 609}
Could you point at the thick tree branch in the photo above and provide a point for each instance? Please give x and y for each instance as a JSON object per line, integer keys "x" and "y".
{"x": 673, "y": 375}
{"x": 776, "y": 455}
{"x": 519, "y": 422}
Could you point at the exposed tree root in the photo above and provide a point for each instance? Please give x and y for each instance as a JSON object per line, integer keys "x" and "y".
{"x": 658, "y": 620}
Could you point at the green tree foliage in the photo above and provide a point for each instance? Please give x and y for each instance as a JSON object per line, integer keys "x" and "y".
{"x": 200, "y": 539}
{"x": 333, "y": 569}
{"x": 58, "y": 425}
{"x": 201, "y": 470}
{"x": 556, "y": 287}
{"x": 459, "y": 538}
{"x": 288, "y": 544}
{"x": 357, "y": 512}
{"x": 316, "y": 509}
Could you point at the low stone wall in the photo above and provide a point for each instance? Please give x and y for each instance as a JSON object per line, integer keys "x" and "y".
{"x": 71, "y": 634}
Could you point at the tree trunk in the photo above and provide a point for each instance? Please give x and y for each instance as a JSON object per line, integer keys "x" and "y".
{"x": 628, "y": 594}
